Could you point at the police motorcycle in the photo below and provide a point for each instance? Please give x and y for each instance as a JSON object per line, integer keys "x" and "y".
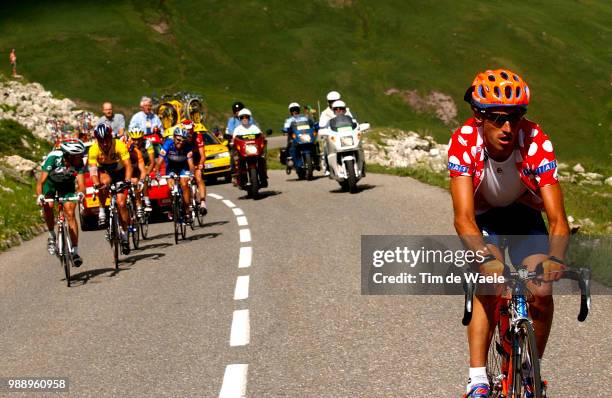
{"x": 303, "y": 156}
{"x": 345, "y": 157}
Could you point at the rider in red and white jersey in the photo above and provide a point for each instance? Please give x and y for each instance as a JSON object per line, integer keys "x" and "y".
{"x": 503, "y": 175}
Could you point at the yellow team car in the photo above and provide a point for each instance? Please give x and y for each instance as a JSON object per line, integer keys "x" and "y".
{"x": 217, "y": 158}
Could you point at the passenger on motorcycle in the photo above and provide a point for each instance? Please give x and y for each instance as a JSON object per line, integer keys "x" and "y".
{"x": 196, "y": 140}
{"x": 329, "y": 113}
{"x": 177, "y": 153}
{"x": 109, "y": 161}
{"x": 295, "y": 119}
{"x": 234, "y": 121}
{"x": 61, "y": 169}
{"x": 142, "y": 157}
{"x": 503, "y": 175}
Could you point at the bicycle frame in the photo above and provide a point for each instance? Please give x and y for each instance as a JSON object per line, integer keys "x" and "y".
{"x": 63, "y": 243}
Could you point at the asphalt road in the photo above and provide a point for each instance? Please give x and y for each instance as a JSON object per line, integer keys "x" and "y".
{"x": 173, "y": 323}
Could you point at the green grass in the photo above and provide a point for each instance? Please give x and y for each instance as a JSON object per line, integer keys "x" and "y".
{"x": 18, "y": 140}
{"x": 18, "y": 212}
{"x": 268, "y": 53}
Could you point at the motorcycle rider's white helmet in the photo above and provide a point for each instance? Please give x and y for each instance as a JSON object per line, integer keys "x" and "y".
{"x": 294, "y": 105}
{"x": 244, "y": 112}
{"x": 338, "y": 104}
{"x": 333, "y": 96}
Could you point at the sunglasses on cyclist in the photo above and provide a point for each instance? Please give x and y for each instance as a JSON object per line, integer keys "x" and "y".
{"x": 245, "y": 117}
{"x": 178, "y": 140}
{"x": 499, "y": 119}
{"x": 339, "y": 109}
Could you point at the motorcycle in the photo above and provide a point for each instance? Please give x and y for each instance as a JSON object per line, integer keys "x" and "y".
{"x": 345, "y": 157}
{"x": 250, "y": 168}
{"x": 304, "y": 157}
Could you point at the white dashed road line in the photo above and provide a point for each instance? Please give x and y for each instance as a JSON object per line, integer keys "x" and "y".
{"x": 229, "y": 203}
{"x": 241, "y": 328}
{"x": 245, "y": 235}
{"x": 242, "y": 288}
{"x": 246, "y": 257}
{"x": 234, "y": 381}
{"x": 235, "y": 376}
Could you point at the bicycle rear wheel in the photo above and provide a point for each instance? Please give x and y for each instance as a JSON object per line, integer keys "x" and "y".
{"x": 183, "y": 223}
{"x": 525, "y": 380}
{"x": 195, "y": 201}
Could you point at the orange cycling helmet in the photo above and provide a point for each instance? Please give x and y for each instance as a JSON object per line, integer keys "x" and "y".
{"x": 498, "y": 88}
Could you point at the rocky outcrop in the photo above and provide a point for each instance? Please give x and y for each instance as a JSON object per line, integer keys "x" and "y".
{"x": 33, "y": 106}
{"x": 406, "y": 149}
{"x": 23, "y": 166}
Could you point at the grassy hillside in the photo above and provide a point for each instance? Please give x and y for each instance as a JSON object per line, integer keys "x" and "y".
{"x": 268, "y": 53}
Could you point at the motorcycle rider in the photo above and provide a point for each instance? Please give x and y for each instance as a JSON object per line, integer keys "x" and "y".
{"x": 296, "y": 117}
{"x": 246, "y": 127}
{"x": 329, "y": 113}
{"x": 338, "y": 108}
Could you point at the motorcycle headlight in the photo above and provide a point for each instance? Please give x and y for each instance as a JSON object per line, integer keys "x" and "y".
{"x": 222, "y": 155}
{"x": 346, "y": 140}
{"x": 305, "y": 138}
{"x": 251, "y": 149}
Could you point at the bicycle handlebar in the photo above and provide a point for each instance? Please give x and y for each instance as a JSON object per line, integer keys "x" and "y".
{"x": 581, "y": 275}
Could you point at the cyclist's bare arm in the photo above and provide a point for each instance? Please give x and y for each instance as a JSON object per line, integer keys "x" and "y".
{"x": 40, "y": 182}
{"x": 128, "y": 169}
{"x": 552, "y": 195}
{"x": 465, "y": 215}
{"x": 202, "y": 157}
{"x": 80, "y": 179}
{"x": 143, "y": 169}
{"x": 191, "y": 165}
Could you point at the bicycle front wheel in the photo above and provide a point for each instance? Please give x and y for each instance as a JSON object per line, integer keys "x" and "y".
{"x": 144, "y": 226}
{"x": 175, "y": 218}
{"x": 62, "y": 251}
{"x": 115, "y": 239}
{"x": 525, "y": 380}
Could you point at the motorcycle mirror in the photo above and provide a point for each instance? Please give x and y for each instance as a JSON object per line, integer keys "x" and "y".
{"x": 364, "y": 126}
{"x": 269, "y": 132}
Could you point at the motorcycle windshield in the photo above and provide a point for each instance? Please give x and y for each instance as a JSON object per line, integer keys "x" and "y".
{"x": 341, "y": 124}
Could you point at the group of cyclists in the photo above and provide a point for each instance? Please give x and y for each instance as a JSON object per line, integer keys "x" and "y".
{"x": 502, "y": 167}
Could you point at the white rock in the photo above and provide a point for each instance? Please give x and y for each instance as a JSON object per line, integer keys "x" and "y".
{"x": 24, "y": 166}
{"x": 578, "y": 168}
{"x": 593, "y": 176}
{"x": 609, "y": 181}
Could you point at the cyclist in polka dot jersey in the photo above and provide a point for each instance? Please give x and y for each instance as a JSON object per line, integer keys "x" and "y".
{"x": 503, "y": 175}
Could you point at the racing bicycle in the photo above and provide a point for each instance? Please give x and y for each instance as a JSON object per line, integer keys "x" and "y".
{"x": 63, "y": 244}
{"x": 513, "y": 364}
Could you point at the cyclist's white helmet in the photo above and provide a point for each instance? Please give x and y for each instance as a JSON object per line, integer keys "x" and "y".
{"x": 294, "y": 105}
{"x": 72, "y": 147}
{"x": 244, "y": 112}
{"x": 333, "y": 96}
{"x": 338, "y": 104}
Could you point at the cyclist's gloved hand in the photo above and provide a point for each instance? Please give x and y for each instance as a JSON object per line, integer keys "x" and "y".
{"x": 490, "y": 265}
{"x": 81, "y": 196}
{"x": 40, "y": 200}
{"x": 552, "y": 269}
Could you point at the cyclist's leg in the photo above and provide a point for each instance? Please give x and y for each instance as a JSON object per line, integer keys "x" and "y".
{"x": 119, "y": 176}
{"x": 199, "y": 176}
{"x": 184, "y": 181}
{"x": 529, "y": 246}
{"x": 105, "y": 179}
{"x": 49, "y": 192}
{"x": 69, "y": 211}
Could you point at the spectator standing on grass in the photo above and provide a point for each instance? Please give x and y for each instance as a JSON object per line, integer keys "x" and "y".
{"x": 116, "y": 120}
{"x": 13, "y": 60}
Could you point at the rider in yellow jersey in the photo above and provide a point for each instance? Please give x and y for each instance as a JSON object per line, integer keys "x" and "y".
{"x": 109, "y": 161}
